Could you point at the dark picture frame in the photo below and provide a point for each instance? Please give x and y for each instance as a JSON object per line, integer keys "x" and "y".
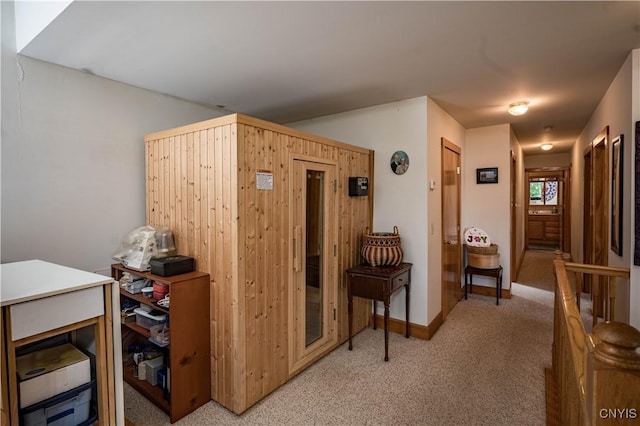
{"x": 636, "y": 251}
{"x": 617, "y": 152}
{"x": 487, "y": 175}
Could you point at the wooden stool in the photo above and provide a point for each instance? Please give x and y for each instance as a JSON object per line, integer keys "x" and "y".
{"x": 470, "y": 271}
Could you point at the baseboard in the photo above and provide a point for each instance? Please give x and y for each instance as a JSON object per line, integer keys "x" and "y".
{"x": 489, "y": 291}
{"x": 415, "y": 330}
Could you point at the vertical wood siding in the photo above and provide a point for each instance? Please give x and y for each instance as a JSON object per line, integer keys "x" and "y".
{"x": 201, "y": 183}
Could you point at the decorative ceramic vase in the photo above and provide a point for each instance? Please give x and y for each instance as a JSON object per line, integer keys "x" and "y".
{"x": 382, "y": 248}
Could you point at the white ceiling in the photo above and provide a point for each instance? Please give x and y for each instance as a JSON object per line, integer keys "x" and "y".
{"x": 287, "y": 61}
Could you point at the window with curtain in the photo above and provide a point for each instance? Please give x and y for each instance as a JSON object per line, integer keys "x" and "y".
{"x": 543, "y": 191}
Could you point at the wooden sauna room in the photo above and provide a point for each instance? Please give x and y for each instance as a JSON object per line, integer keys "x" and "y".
{"x": 265, "y": 210}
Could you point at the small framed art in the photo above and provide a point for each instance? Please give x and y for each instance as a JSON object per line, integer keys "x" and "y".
{"x": 616, "y": 195}
{"x": 487, "y": 175}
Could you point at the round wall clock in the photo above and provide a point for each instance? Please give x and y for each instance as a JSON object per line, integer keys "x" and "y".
{"x": 399, "y": 162}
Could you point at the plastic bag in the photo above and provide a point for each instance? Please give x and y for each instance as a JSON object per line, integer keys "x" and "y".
{"x": 137, "y": 248}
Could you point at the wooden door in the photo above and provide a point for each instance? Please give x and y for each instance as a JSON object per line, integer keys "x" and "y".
{"x": 587, "y": 223}
{"x": 513, "y": 220}
{"x": 451, "y": 246}
{"x": 600, "y": 199}
{"x": 596, "y": 210}
{"x": 313, "y": 288}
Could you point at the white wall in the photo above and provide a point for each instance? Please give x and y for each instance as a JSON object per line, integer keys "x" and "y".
{"x": 399, "y": 200}
{"x": 547, "y": 160}
{"x": 439, "y": 125}
{"x": 33, "y": 16}
{"x": 487, "y": 206}
{"x": 73, "y": 158}
{"x": 615, "y": 111}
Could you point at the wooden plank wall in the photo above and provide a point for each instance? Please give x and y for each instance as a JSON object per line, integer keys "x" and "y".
{"x": 201, "y": 183}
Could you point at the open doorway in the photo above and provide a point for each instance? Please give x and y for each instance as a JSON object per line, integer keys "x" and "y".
{"x": 547, "y": 209}
{"x": 547, "y": 225}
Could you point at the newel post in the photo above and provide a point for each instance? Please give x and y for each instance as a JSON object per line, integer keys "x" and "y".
{"x": 616, "y": 374}
{"x": 618, "y": 344}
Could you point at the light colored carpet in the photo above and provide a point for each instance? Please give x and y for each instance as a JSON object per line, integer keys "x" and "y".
{"x": 485, "y": 366}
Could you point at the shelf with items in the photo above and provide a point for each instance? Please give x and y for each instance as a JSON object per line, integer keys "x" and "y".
{"x": 153, "y": 393}
{"x": 140, "y": 330}
{"x": 187, "y": 358}
{"x": 144, "y": 300}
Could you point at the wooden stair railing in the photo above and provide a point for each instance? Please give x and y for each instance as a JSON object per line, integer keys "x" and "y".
{"x": 596, "y": 375}
{"x": 603, "y": 289}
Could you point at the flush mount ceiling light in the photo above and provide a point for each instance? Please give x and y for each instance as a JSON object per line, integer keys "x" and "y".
{"x": 518, "y": 108}
{"x": 546, "y": 146}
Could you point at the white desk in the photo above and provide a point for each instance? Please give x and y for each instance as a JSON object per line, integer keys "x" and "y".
{"x": 40, "y": 300}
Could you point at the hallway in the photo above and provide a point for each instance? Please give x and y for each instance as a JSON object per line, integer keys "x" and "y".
{"x": 536, "y": 281}
{"x": 537, "y": 270}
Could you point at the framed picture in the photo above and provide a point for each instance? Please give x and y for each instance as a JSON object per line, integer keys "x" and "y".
{"x": 616, "y": 194}
{"x": 487, "y": 175}
{"x": 636, "y": 250}
{"x": 399, "y": 162}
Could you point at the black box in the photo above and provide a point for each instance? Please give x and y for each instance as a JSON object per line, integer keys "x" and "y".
{"x": 171, "y": 265}
{"x": 358, "y": 186}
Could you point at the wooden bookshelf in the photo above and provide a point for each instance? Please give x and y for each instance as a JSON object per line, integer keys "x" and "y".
{"x": 187, "y": 358}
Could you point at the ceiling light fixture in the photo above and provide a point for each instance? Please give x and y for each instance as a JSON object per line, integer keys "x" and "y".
{"x": 518, "y": 108}
{"x": 546, "y": 146}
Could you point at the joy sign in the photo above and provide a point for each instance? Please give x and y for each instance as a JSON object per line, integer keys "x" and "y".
{"x": 477, "y": 237}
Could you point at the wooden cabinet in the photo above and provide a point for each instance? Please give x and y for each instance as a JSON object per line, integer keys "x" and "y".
{"x": 225, "y": 188}
{"x": 187, "y": 357}
{"x": 45, "y": 304}
{"x": 544, "y": 229}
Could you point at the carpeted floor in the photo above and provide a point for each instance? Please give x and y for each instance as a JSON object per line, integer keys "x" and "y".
{"x": 485, "y": 366}
{"x": 537, "y": 270}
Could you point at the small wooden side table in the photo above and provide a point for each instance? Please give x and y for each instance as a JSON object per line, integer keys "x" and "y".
{"x": 378, "y": 283}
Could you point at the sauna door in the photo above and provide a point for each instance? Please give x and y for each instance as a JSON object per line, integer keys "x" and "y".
{"x": 313, "y": 288}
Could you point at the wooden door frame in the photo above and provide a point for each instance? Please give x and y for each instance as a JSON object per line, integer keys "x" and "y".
{"x": 600, "y": 168}
{"x": 514, "y": 217}
{"x": 565, "y": 171}
{"x": 330, "y": 267}
{"x": 446, "y": 144}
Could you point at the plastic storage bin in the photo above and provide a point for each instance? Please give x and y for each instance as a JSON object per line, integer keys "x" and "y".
{"x": 149, "y": 319}
{"x": 49, "y": 372}
{"x": 160, "y": 334}
{"x": 70, "y": 408}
